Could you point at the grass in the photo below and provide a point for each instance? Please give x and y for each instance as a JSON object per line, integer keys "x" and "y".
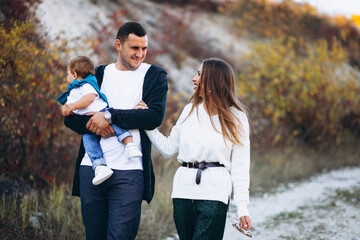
{"x": 47, "y": 215}
{"x": 351, "y": 197}
{"x": 274, "y": 167}
{"x": 56, "y": 214}
{"x": 59, "y": 216}
{"x": 156, "y": 219}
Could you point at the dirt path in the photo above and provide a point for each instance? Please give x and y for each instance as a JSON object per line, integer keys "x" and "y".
{"x": 325, "y": 207}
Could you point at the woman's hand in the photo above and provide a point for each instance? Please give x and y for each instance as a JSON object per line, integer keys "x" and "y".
{"x": 141, "y": 105}
{"x": 245, "y": 223}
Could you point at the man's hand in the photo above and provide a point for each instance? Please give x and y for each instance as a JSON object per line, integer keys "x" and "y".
{"x": 97, "y": 123}
{"x": 107, "y": 132}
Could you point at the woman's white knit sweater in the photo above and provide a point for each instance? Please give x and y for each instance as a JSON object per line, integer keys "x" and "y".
{"x": 196, "y": 140}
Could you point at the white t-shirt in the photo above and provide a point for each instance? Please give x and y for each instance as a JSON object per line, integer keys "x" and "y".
{"x": 123, "y": 90}
{"x": 196, "y": 140}
{"x": 77, "y": 93}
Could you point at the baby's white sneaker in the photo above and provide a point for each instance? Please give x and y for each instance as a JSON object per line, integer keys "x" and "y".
{"x": 101, "y": 174}
{"x": 132, "y": 151}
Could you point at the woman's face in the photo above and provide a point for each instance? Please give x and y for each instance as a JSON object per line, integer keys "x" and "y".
{"x": 196, "y": 80}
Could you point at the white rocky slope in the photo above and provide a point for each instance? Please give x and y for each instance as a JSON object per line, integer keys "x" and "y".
{"x": 76, "y": 19}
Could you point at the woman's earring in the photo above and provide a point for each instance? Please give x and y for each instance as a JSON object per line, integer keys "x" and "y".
{"x": 209, "y": 91}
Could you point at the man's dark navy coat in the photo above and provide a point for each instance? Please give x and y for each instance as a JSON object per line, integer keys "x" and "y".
{"x": 154, "y": 95}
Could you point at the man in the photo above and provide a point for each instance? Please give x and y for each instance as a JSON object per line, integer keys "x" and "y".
{"x": 112, "y": 209}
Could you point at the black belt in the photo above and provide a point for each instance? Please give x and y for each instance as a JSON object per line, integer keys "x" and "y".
{"x": 200, "y": 166}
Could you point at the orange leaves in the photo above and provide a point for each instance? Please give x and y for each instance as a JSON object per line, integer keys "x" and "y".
{"x": 356, "y": 20}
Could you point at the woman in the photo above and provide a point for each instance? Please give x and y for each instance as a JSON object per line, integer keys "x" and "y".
{"x": 212, "y": 138}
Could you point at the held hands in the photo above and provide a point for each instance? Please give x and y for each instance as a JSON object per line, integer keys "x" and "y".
{"x": 67, "y": 109}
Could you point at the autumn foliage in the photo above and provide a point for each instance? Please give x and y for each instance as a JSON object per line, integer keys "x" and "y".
{"x": 17, "y": 10}
{"x": 34, "y": 145}
{"x": 299, "y": 83}
{"x": 289, "y": 18}
{"x": 301, "y": 91}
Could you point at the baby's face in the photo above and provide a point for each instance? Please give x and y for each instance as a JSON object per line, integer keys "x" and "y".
{"x": 70, "y": 77}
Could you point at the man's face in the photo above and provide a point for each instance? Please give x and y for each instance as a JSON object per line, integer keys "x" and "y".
{"x": 132, "y": 52}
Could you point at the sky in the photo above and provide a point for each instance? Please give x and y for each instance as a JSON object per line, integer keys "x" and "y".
{"x": 336, "y": 7}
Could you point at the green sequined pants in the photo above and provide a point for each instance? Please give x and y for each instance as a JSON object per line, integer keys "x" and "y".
{"x": 199, "y": 219}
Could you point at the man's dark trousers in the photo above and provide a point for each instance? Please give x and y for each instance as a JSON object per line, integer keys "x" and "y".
{"x": 116, "y": 202}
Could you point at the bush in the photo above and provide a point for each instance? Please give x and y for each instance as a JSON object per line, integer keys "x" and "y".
{"x": 298, "y": 90}
{"x": 288, "y": 18}
{"x": 34, "y": 144}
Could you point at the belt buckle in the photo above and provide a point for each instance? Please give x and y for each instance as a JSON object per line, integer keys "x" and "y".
{"x": 201, "y": 165}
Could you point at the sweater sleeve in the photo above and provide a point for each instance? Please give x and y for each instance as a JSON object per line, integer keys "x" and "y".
{"x": 167, "y": 146}
{"x": 77, "y": 123}
{"x": 155, "y": 90}
{"x": 240, "y": 169}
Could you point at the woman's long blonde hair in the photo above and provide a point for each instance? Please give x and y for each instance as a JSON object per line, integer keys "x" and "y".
{"x": 219, "y": 88}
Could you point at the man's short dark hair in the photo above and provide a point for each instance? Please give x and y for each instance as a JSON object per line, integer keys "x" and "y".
{"x": 128, "y": 28}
